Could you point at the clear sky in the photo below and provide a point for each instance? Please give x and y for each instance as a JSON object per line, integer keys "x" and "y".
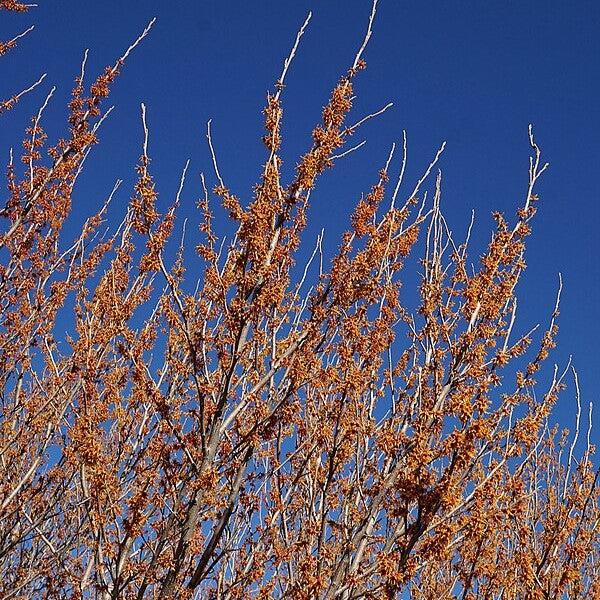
{"x": 471, "y": 73}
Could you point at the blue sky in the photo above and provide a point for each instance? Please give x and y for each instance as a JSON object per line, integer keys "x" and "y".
{"x": 471, "y": 73}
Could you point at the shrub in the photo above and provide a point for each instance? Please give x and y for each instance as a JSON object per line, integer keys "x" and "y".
{"x": 269, "y": 434}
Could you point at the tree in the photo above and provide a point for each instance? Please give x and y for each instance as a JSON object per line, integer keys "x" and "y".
{"x": 269, "y": 435}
